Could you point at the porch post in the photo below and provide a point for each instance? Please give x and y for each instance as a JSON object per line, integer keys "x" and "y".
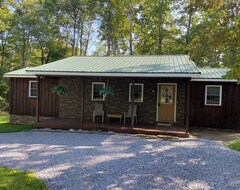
{"x": 38, "y": 99}
{"x": 132, "y": 104}
{"x": 187, "y": 105}
{"x": 82, "y": 102}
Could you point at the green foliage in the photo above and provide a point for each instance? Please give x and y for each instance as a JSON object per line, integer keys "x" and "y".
{"x": 235, "y": 145}
{"x": 114, "y": 26}
{"x": 59, "y": 90}
{"x": 5, "y": 16}
{"x": 21, "y": 180}
{"x": 155, "y": 28}
{"x": 36, "y": 32}
{"x": 215, "y": 39}
{"x": 3, "y": 91}
{"x": 107, "y": 91}
{"x": 6, "y": 127}
{"x": 3, "y": 104}
{"x": 234, "y": 73}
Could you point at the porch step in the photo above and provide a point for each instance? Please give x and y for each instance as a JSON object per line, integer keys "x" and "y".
{"x": 164, "y": 123}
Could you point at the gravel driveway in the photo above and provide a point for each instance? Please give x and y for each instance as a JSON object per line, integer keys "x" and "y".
{"x": 68, "y": 160}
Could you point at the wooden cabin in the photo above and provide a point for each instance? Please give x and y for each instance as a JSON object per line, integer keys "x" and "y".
{"x": 170, "y": 91}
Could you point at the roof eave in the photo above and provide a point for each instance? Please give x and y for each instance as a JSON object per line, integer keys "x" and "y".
{"x": 19, "y": 76}
{"x": 111, "y": 74}
{"x": 213, "y": 80}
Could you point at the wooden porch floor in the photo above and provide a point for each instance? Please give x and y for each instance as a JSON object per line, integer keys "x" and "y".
{"x": 139, "y": 128}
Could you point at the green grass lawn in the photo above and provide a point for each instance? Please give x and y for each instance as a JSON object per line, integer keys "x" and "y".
{"x": 6, "y": 127}
{"x": 11, "y": 179}
{"x": 235, "y": 145}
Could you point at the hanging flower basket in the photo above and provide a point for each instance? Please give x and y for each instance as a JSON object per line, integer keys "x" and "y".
{"x": 107, "y": 91}
{"x": 59, "y": 90}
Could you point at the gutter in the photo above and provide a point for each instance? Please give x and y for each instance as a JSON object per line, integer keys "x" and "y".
{"x": 172, "y": 75}
{"x": 18, "y": 76}
{"x": 213, "y": 80}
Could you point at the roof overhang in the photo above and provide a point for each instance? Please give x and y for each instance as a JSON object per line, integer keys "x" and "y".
{"x": 111, "y": 74}
{"x": 19, "y": 76}
{"x": 214, "y": 80}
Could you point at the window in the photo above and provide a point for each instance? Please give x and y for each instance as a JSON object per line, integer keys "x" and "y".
{"x": 138, "y": 92}
{"x": 166, "y": 94}
{"x": 213, "y": 95}
{"x": 96, "y": 87}
{"x": 32, "y": 89}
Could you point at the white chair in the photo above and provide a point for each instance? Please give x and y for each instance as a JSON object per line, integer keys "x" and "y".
{"x": 129, "y": 113}
{"x": 98, "y": 111}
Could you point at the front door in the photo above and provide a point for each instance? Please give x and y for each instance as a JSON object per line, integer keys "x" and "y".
{"x": 166, "y": 102}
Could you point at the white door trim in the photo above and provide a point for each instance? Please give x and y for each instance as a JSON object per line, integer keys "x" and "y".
{"x": 175, "y": 109}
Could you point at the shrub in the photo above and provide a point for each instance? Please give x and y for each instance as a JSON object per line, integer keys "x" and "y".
{"x": 4, "y": 106}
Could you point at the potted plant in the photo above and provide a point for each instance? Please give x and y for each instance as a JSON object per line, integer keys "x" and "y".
{"x": 107, "y": 91}
{"x": 59, "y": 90}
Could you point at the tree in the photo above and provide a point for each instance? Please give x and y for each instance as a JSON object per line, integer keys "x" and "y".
{"x": 113, "y": 26}
{"x": 155, "y": 27}
{"x": 23, "y": 25}
{"x": 5, "y": 26}
{"x": 215, "y": 39}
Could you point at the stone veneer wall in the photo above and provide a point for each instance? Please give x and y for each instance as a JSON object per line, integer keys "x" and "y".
{"x": 25, "y": 119}
{"x": 70, "y": 105}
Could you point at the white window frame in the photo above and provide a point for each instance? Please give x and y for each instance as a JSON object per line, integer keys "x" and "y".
{"x": 93, "y": 83}
{"x": 30, "y": 87}
{"x": 220, "y": 95}
{"x": 129, "y": 96}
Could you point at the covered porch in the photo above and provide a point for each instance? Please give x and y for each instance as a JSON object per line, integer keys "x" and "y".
{"x": 75, "y": 110}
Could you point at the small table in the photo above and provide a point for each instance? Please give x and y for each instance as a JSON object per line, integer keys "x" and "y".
{"x": 114, "y": 115}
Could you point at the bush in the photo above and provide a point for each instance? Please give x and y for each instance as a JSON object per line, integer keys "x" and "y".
{"x": 4, "y": 106}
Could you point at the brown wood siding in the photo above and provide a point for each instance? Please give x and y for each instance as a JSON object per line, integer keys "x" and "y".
{"x": 22, "y": 104}
{"x": 225, "y": 116}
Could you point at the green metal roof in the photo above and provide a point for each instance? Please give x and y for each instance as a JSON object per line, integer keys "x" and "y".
{"x": 122, "y": 64}
{"x": 171, "y": 65}
{"x": 20, "y": 73}
{"x": 213, "y": 73}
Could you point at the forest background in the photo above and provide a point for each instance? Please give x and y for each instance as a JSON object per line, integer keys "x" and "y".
{"x": 35, "y": 32}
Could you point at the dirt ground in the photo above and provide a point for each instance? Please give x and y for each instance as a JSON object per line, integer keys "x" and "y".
{"x": 225, "y": 136}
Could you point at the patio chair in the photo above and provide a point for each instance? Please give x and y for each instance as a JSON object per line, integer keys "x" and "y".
{"x": 98, "y": 111}
{"x": 129, "y": 113}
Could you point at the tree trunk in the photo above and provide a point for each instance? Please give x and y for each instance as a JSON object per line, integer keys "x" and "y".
{"x": 81, "y": 38}
{"x": 130, "y": 41}
{"x": 131, "y": 30}
{"x": 74, "y": 37}
{"x": 109, "y": 32}
{"x": 189, "y": 25}
{"x": 88, "y": 39}
{"x": 108, "y": 44}
{"x": 23, "y": 53}
{"x": 28, "y": 48}
{"x": 42, "y": 56}
{"x": 77, "y": 40}
{"x": 47, "y": 58}
{"x": 160, "y": 36}
{"x": 2, "y": 50}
